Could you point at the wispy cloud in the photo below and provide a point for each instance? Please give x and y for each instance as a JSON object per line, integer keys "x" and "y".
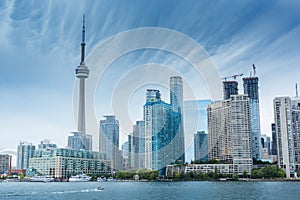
{"x": 41, "y": 46}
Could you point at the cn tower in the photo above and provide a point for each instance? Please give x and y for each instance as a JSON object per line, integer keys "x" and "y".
{"x": 82, "y": 72}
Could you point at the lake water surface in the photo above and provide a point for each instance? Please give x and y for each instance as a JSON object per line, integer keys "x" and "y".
{"x": 151, "y": 190}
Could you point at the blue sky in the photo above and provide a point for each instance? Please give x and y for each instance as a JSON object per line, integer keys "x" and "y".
{"x": 40, "y": 49}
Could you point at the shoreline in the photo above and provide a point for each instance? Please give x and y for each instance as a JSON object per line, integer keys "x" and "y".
{"x": 169, "y": 180}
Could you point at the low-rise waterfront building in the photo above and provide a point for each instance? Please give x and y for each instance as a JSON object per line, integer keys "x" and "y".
{"x": 229, "y": 169}
{"x": 62, "y": 163}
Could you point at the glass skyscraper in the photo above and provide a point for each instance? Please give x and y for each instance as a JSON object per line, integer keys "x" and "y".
{"x": 164, "y": 138}
{"x": 157, "y": 131}
{"x": 25, "y": 151}
{"x": 109, "y": 140}
{"x": 200, "y": 146}
{"x": 176, "y": 100}
{"x": 251, "y": 89}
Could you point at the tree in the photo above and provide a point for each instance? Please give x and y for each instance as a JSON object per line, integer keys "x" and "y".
{"x": 22, "y": 176}
{"x": 268, "y": 172}
{"x": 153, "y": 175}
{"x": 245, "y": 174}
{"x": 235, "y": 176}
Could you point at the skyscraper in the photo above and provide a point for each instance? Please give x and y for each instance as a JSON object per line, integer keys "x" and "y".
{"x": 24, "y": 153}
{"x": 200, "y": 146}
{"x": 130, "y": 152}
{"x": 230, "y": 88}
{"x": 229, "y": 138}
{"x": 176, "y": 93}
{"x": 109, "y": 140}
{"x": 138, "y": 145}
{"x": 82, "y": 72}
{"x": 295, "y": 112}
{"x": 285, "y": 148}
{"x": 158, "y": 133}
{"x": 251, "y": 89}
{"x": 176, "y": 100}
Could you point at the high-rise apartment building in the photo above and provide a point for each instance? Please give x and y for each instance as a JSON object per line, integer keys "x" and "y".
{"x": 109, "y": 140}
{"x": 295, "y": 112}
{"x": 200, "y": 146}
{"x": 130, "y": 152}
{"x": 229, "y": 138}
{"x": 138, "y": 145}
{"x": 5, "y": 163}
{"x": 24, "y": 153}
{"x": 251, "y": 89}
{"x": 285, "y": 147}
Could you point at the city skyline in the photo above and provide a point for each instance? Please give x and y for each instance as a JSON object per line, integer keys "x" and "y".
{"x": 41, "y": 40}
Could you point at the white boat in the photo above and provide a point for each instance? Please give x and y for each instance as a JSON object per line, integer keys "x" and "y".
{"x": 111, "y": 179}
{"x": 41, "y": 179}
{"x": 80, "y": 178}
{"x": 101, "y": 179}
{"x": 100, "y": 188}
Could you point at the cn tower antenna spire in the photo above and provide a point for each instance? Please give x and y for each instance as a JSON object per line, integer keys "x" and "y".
{"x": 83, "y": 41}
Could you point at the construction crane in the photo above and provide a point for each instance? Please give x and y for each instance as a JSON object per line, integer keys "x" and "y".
{"x": 233, "y": 76}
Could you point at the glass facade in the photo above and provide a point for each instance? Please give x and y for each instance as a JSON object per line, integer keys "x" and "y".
{"x": 200, "y": 146}
{"x": 163, "y": 134}
{"x": 24, "y": 152}
{"x": 109, "y": 140}
{"x": 251, "y": 89}
{"x": 195, "y": 119}
{"x": 80, "y": 141}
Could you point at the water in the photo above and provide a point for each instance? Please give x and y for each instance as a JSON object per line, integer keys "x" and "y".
{"x": 151, "y": 190}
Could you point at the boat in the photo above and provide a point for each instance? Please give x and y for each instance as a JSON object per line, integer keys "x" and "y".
{"x": 80, "y": 178}
{"x": 44, "y": 179}
{"x": 101, "y": 179}
{"x": 100, "y": 188}
{"x": 111, "y": 179}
